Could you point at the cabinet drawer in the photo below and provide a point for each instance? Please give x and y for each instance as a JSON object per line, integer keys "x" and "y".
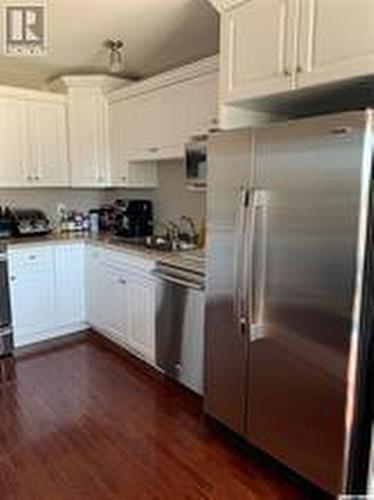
{"x": 31, "y": 259}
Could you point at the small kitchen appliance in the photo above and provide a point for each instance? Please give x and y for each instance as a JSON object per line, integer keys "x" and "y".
{"x": 134, "y": 218}
{"x": 30, "y": 222}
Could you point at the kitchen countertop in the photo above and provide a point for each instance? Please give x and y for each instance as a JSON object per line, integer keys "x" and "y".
{"x": 109, "y": 241}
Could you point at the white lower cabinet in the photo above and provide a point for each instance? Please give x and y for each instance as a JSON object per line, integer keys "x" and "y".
{"x": 121, "y": 297}
{"x": 93, "y": 286}
{"x": 141, "y": 293}
{"x": 32, "y": 293}
{"x": 47, "y": 291}
{"x": 69, "y": 284}
{"x": 115, "y": 301}
{"x": 57, "y": 289}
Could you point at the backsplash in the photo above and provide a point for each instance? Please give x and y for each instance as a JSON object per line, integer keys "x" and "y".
{"x": 48, "y": 199}
{"x": 171, "y": 199}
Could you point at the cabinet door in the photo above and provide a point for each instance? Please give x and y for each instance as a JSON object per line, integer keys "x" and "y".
{"x": 48, "y": 144}
{"x": 336, "y": 40}
{"x": 258, "y": 48}
{"x": 142, "y": 316}
{"x": 88, "y": 138}
{"x": 70, "y": 284}
{"x": 125, "y": 168}
{"x": 115, "y": 294}
{"x": 117, "y": 131}
{"x": 202, "y": 101}
{"x": 95, "y": 292}
{"x": 13, "y": 169}
{"x": 143, "y": 127}
{"x": 32, "y": 294}
{"x": 174, "y": 119}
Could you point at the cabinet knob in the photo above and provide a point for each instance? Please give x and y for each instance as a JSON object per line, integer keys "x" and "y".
{"x": 124, "y": 177}
{"x": 30, "y": 178}
{"x": 153, "y": 150}
{"x": 299, "y": 69}
{"x": 287, "y": 72}
{"x": 37, "y": 178}
{"x": 32, "y": 257}
{"x": 12, "y": 278}
{"x": 122, "y": 281}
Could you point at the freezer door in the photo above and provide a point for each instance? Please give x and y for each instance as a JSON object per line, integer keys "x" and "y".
{"x": 309, "y": 181}
{"x": 225, "y": 339}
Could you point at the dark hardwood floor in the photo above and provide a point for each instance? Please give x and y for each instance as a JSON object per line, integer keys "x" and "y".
{"x": 81, "y": 421}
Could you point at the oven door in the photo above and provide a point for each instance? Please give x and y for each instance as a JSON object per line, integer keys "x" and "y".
{"x": 6, "y": 334}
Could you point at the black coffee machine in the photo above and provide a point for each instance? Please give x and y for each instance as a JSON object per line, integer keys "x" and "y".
{"x": 134, "y": 218}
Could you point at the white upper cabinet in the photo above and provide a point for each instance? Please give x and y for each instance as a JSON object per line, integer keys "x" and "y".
{"x": 88, "y": 129}
{"x": 13, "y": 168}
{"x": 203, "y": 112}
{"x": 88, "y": 138}
{"x": 258, "y": 46}
{"x": 153, "y": 121}
{"x": 47, "y": 139}
{"x": 34, "y": 139}
{"x": 273, "y": 46}
{"x": 123, "y": 171}
{"x": 336, "y": 40}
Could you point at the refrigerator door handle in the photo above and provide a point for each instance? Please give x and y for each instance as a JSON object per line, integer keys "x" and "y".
{"x": 255, "y": 291}
{"x": 239, "y": 257}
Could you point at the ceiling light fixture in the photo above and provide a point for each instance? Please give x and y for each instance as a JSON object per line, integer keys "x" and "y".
{"x": 115, "y": 55}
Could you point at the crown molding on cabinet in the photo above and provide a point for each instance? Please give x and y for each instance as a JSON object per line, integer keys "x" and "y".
{"x": 31, "y": 95}
{"x": 222, "y": 5}
{"x": 205, "y": 66}
{"x": 103, "y": 82}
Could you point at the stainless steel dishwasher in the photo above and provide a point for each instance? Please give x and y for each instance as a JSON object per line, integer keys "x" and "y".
{"x": 180, "y": 319}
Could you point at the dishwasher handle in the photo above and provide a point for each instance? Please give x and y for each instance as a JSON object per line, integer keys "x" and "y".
{"x": 178, "y": 281}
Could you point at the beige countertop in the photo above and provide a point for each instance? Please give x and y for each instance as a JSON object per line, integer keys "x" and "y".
{"x": 102, "y": 240}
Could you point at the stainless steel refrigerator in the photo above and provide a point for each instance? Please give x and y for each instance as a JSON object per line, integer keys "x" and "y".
{"x": 289, "y": 306}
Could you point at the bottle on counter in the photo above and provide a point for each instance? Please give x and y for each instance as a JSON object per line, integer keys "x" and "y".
{"x": 94, "y": 222}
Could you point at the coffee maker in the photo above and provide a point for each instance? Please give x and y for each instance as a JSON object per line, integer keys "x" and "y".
{"x": 134, "y": 218}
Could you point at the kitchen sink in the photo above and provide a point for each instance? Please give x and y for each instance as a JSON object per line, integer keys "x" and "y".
{"x": 158, "y": 243}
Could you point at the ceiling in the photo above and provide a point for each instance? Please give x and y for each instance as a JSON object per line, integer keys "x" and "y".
{"x": 158, "y": 35}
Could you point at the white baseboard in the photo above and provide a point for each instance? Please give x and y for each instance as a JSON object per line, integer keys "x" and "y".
{"x": 50, "y": 334}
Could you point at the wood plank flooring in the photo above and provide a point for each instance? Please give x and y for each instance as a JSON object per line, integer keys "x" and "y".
{"x": 81, "y": 421}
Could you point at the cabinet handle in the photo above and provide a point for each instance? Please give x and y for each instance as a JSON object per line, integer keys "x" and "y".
{"x": 32, "y": 257}
{"x": 153, "y": 150}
